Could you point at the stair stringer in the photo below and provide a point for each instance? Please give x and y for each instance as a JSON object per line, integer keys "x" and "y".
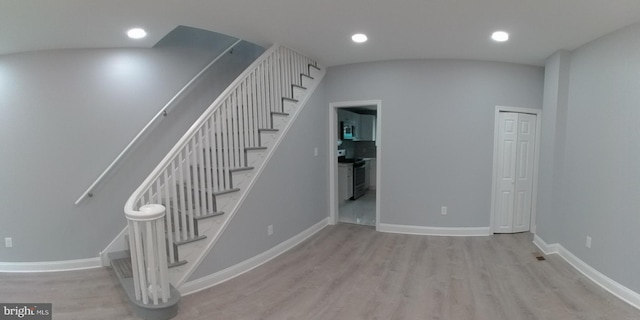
{"x": 213, "y": 228}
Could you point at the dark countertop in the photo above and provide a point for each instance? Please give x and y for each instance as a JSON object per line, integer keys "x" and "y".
{"x": 348, "y": 160}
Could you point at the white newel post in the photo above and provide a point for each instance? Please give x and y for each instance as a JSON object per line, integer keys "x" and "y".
{"x": 148, "y": 253}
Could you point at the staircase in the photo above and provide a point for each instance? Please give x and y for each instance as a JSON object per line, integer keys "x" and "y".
{"x": 179, "y": 212}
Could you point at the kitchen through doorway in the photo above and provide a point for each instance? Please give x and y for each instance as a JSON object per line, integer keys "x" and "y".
{"x": 355, "y": 133}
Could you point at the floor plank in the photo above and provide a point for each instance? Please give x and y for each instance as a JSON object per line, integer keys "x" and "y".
{"x": 352, "y": 272}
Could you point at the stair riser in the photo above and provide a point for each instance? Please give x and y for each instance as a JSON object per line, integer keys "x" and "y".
{"x": 227, "y": 201}
{"x": 298, "y": 93}
{"x": 268, "y": 138}
{"x": 289, "y": 106}
{"x": 241, "y": 179}
{"x": 279, "y": 121}
{"x": 306, "y": 81}
{"x": 315, "y": 73}
{"x": 255, "y": 158}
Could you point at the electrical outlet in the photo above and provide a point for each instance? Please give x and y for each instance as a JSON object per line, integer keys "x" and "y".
{"x": 8, "y": 242}
{"x": 315, "y": 152}
{"x": 588, "y": 243}
{"x": 270, "y": 230}
{"x": 443, "y": 210}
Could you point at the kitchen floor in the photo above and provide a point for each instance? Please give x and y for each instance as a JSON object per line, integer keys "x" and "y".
{"x": 361, "y": 211}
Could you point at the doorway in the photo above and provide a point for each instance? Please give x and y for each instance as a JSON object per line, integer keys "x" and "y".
{"x": 354, "y": 135}
{"x": 515, "y": 169}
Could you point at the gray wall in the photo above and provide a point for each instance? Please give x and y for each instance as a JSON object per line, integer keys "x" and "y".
{"x": 601, "y": 171}
{"x": 437, "y": 132}
{"x": 291, "y": 194}
{"x": 65, "y": 115}
{"x": 554, "y": 121}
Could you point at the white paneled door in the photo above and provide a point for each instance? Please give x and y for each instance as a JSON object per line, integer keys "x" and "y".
{"x": 516, "y": 150}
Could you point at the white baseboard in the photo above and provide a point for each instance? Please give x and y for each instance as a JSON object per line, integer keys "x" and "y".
{"x": 51, "y": 266}
{"x": 251, "y": 263}
{"x": 544, "y": 247}
{"x": 625, "y": 294}
{"x": 433, "y": 231}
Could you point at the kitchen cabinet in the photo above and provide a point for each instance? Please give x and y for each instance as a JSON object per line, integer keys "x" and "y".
{"x": 366, "y": 128}
{"x": 348, "y": 119}
{"x": 345, "y": 181}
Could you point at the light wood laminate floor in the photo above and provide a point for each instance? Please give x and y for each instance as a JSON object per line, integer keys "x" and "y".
{"x": 352, "y": 272}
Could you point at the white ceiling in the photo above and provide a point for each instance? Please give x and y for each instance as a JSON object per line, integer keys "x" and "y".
{"x": 401, "y": 29}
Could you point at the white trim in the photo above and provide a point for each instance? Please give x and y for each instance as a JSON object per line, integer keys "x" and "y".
{"x": 251, "y": 263}
{"x": 434, "y": 231}
{"x": 544, "y": 247}
{"x": 117, "y": 244}
{"x": 623, "y": 293}
{"x": 536, "y": 163}
{"x": 51, "y": 266}
{"x": 333, "y": 165}
{"x": 211, "y": 243}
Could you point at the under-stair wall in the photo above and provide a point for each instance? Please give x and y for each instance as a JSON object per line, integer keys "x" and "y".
{"x": 290, "y": 194}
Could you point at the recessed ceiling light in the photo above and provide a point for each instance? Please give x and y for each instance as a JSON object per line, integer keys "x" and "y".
{"x": 359, "y": 37}
{"x": 500, "y": 36}
{"x": 136, "y": 33}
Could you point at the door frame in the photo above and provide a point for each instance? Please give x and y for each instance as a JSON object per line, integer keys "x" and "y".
{"x": 333, "y": 162}
{"x": 536, "y": 160}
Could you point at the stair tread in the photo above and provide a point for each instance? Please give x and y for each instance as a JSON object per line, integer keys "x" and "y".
{"x": 122, "y": 267}
{"x": 279, "y": 113}
{"x": 209, "y": 215}
{"x": 223, "y": 167}
{"x": 216, "y": 193}
{"x": 197, "y": 238}
{"x": 289, "y": 99}
{"x": 225, "y": 191}
{"x": 255, "y": 148}
{"x": 306, "y": 75}
{"x": 177, "y": 264}
{"x": 268, "y": 130}
{"x": 298, "y": 86}
{"x": 315, "y": 67}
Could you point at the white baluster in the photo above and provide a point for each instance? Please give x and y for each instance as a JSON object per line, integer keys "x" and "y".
{"x": 242, "y": 137}
{"x": 167, "y": 196}
{"x": 162, "y": 261}
{"x": 235, "y": 158}
{"x": 210, "y": 158}
{"x": 133, "y": 249}
{"x": 204, "y": 148}
{"x": 191, "y": 178}
{"x": 140, "y": 266}
{"x": 218, "y": 148}
{"x": 174, "y": 196}
{"x": 151, "y": 261}
{"x": 183, "y": 218}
